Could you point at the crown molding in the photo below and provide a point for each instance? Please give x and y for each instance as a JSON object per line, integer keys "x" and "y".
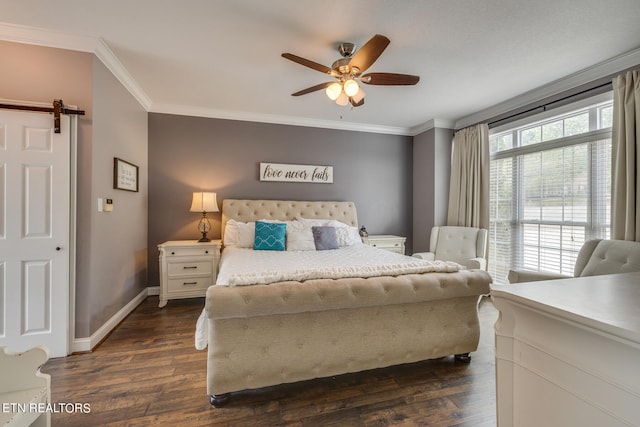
{"x": 587, "y": 75}
{"x": 432, "y": 124}
{"x": 47, "y": 38}
{"x": 97, "y": 46}
{"x": 182, "y": 110}
{"x": 113, "y": 64}
{"x": 89, "y": 44}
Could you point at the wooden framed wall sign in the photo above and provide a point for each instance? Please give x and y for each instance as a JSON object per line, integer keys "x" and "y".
{"x": 296, "y": 173}
{"x": 125, "y": 175}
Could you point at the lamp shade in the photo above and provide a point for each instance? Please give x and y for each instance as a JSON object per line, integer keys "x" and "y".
{"x": 351, "y": 87}
{"x": 343, "y": 99}
{"x": 333, "y": 91}
{"x": 358, "y": 96}
{"x": 204, "y": 202}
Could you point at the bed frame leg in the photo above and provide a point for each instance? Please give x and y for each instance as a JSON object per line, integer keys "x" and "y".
{"x": 463, "y": 357}
{"x": 218, "y": 400}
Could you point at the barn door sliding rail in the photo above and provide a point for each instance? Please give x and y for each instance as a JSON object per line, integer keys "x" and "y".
{"x": 57, "y": 109}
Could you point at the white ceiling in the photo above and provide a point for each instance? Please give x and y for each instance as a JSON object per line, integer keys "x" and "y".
{"x": 219, "y": 58}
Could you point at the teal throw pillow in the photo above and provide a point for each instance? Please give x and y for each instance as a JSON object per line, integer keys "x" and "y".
{"x": 269, "y": 236}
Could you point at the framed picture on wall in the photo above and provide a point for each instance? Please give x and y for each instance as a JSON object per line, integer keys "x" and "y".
{"x": 125, "y": 175}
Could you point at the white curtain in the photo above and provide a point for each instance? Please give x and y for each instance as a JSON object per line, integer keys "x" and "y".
{"x": 625, "y": 158}
{"x": 469, "y": 184}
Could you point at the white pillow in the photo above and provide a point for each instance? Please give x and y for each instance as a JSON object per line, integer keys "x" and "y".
{"x": 299, "y": 237}
{"x": 338, "y": 224}
{"x": 347, "y": 236}
{"x": 239, "y": 234}
{"x": 313, "y": 222}
{"x": 242, "y": 234}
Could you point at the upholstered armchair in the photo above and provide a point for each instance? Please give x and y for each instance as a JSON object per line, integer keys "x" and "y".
{"x": 596, "y": 257}
{"x": 465, "y": 245}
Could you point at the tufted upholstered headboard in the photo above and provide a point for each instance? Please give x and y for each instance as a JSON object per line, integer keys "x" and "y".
{"x": 252, "y": 210}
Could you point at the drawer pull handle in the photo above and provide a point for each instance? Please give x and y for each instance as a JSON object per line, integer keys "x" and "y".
{"x": 189, "y": 283}
{"x": 190, "y": 267}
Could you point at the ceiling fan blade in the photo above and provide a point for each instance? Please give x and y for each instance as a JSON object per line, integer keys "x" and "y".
{"x": 390, "y": 79}
{"x": 312, "y": 89}
{"x": 367, "y": 54}
{"x": 307, "y": 63}
{"x": 356, "y": 104}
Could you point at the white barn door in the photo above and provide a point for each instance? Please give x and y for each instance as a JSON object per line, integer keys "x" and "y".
{"x": 35, "y": 184}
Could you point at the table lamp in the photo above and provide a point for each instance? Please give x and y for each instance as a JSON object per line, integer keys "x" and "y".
{"x": 204, "y": 202}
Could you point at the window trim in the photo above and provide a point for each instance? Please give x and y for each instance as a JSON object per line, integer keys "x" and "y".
{"x": 551, "y": 144}
{"x": 549, "y": 113}
{"x": 593, "y": 106}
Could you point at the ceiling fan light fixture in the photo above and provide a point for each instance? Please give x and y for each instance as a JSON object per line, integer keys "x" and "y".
{"x": 351, "y": 87}
{"x": 348, "y": 72}
{"x": 343, "y": 99}
{"x": 359, "y": 96}
{"x": 333, "y": 91}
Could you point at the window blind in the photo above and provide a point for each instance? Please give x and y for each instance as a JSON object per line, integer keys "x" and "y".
{"x": 550, "y": 184}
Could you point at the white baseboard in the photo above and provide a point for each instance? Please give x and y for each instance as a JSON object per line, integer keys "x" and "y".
{"x": 87, "y": 344}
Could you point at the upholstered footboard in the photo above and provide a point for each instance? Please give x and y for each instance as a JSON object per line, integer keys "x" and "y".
{"x": 272, "y": 334}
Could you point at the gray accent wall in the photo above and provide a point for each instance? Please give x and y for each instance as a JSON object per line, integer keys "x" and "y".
{"x": 188, "y": 154}
{"x": 432, "y": 172}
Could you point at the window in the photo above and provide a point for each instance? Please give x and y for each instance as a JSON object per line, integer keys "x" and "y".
{"x": 550, "y": 188}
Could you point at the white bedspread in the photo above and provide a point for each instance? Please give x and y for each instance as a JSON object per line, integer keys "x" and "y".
{"x": 241, "y": 266}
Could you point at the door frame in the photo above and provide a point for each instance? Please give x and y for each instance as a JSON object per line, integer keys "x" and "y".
{"x": 73, "y": 210}
{"x": 73, "y": 192}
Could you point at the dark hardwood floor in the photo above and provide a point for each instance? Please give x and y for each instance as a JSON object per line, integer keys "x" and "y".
{"x": 147, "y": 372}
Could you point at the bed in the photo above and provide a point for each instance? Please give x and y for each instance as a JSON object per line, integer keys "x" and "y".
{"x": 289, "y": 328}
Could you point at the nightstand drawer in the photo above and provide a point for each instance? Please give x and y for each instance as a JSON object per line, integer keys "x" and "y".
{"x": 387, "y": 242}
{"x": 188, "y": 251}
{"x": 386, "y": 245}
{"x": 189, "y": 268}
{"x": 188, "y": 284}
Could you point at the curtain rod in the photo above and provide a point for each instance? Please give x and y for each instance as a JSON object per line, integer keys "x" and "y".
{"x": 57, "y": 109}
{"x": 544, "y": 106}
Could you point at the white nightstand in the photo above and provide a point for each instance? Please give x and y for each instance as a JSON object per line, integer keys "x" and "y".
{"x": 187, "y": 268}
{"x": 386, "y": 241}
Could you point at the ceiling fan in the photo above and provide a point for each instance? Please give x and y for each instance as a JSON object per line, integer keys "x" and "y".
{"x": 348, "y": 72}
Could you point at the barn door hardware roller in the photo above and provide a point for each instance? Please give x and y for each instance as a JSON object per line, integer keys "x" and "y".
{"x": 59, "y": 108}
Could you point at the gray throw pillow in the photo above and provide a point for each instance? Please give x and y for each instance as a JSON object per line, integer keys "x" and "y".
{"x": 325, "y": 238}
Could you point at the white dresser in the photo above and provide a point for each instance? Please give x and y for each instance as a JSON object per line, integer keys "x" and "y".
{"x": 568, "y": 352}
{"x": 386, "y": 241}
{"x": 187, "y": 268}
